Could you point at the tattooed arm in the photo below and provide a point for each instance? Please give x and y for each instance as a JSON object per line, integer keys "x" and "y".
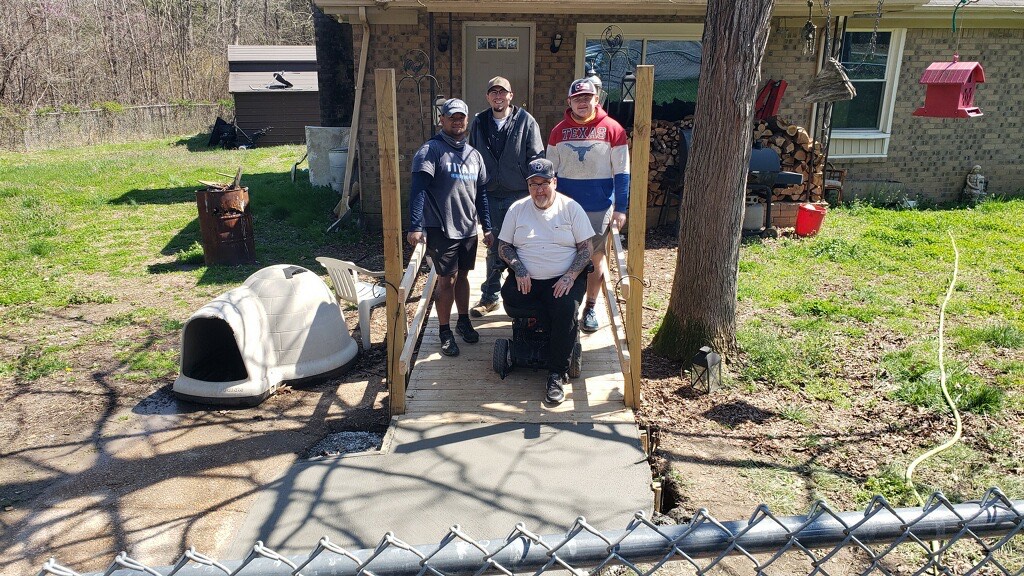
{"x": 507, "y": 252}
{"x": 579, "y": 263}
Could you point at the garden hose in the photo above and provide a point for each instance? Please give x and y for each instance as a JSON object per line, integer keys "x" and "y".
{"x": 934, "y": 546}
{"x": 942, "y": 381}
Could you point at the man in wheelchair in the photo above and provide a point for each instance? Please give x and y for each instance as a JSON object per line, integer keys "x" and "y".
{"x": 545, "y": 240}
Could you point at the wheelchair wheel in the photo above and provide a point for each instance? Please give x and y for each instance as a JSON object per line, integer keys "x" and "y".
{"x": 501, "y": 360}
{"x": 576, "y": 361}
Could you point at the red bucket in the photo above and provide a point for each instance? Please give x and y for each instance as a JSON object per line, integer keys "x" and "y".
{"x": 809, "y": 218}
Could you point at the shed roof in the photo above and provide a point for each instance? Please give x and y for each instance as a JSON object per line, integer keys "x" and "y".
{"x": 260, "y": 82}
{"x": 238, "y": 53}
{"x": 953, "y": 73}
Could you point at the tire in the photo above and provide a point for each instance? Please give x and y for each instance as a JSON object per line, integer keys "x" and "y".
{"x": 500, "y": 360}
{"x": 576, "y": 361}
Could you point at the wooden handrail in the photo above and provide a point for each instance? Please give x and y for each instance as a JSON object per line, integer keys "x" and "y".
{"x": 405, "y": 361}
{"x": 411, "y": 272}
{"x": 621, "y": 259}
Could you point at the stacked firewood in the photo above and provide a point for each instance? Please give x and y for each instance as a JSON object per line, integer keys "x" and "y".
{"x": 665, "y": 169}
{"x": 799, "y": 152}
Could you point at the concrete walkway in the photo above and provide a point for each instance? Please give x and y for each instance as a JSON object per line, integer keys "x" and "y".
{"x": 472, "y": 450}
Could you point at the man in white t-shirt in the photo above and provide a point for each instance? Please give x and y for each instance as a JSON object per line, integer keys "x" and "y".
{"x": 546, "y": 241}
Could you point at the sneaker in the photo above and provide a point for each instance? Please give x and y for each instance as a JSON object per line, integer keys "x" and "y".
{"x": 555, "y": 394}
{"x": 482, "y": 308}
{"x": 468, "y": 333}
{"x": 590, "y": 320}
{"x": 448, "y": 345}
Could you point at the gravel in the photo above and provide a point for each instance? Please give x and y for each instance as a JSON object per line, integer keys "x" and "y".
{"x": 345, "y": 443}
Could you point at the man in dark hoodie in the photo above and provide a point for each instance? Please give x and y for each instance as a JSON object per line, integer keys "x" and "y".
{"x": 447, "y": 199}
{"x": 508, "y": 138}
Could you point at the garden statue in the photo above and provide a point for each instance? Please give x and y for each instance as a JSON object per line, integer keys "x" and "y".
{"x": 974, "y": 189}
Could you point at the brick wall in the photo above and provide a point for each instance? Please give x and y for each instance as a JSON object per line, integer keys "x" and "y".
{"x": 929, "y": 156}
{"x": 390, "y": 43}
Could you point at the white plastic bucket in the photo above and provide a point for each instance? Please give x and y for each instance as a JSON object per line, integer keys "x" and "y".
{"x": 338, "y": 158}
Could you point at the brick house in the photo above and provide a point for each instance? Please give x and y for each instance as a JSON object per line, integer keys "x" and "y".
{"x": 542, "y": 45}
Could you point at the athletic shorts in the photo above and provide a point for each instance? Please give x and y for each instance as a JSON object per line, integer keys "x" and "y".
{"x": 600, "y": 221}
{"x": 450, "y": 256}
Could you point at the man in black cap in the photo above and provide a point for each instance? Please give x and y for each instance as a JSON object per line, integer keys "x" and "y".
{"x": 447, "y": 199}
{"x": 508, "y": 138}
{"x": 546, "y": 241}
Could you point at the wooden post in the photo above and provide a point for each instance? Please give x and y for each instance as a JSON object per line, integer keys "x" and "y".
{"x": 637, "y": 224}
{"x": 391, "y": 216}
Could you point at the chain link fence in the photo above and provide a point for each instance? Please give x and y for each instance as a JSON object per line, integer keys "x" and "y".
{"x": 938, "y": 538}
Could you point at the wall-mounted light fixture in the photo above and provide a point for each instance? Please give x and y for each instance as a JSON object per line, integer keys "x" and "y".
{"x": 438, "y": 105}
{"x": 556, "y": 42}
{"x": 443, "y": 40}
{"x": 628, "y": 87}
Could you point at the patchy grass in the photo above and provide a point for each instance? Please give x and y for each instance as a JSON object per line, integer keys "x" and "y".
{"x": 128, "y": 211}
{"x": 85, "y": 232}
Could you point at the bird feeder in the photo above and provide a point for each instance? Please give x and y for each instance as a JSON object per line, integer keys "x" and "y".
{"x": 950, "y": 89}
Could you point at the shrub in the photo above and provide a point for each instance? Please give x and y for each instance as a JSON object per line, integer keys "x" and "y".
{"x": 70, "y": 109}
{"x": 109, "y": 106}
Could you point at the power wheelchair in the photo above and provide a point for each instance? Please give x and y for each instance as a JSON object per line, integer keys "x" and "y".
{"x": 528, "y": 347}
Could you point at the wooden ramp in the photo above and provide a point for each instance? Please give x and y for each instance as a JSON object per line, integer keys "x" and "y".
{"x": 466, "y": 389}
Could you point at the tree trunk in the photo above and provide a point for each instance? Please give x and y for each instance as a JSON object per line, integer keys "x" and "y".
{"x": 334, "y": 63}
{"x": 702, "y": 308}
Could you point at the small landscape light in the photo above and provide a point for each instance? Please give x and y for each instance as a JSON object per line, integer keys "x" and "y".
{"x": 706, "y": 370}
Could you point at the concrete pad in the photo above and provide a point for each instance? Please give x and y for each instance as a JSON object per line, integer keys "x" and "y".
{"x": 429, "y": 477}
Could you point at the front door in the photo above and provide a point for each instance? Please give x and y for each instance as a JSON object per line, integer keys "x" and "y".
{"x": 497, "y": 49}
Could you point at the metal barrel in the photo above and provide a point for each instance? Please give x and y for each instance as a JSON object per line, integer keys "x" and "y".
{"x": 226, "y": 226}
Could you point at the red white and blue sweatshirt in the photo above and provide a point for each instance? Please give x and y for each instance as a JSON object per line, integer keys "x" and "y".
{"x": 591, "y": 161}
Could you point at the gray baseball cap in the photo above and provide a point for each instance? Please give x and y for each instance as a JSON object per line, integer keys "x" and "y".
{"x": 582, "y": 86}
{"x": 454, "y": 106}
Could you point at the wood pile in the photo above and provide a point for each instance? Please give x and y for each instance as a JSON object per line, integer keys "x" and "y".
{"x": 799, "y": 153}
{"x": 665, "y": 168}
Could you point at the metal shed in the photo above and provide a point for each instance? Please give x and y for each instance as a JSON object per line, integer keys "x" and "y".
{"x": 275, "y": 86}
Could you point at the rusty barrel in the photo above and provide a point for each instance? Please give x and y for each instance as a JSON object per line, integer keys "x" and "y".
{"x": 226, "y": 225}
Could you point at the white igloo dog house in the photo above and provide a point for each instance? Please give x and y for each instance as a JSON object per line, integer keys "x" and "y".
{"x": 283, "y": 323}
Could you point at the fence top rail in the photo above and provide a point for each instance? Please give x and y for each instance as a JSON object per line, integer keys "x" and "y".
{"x": 875, "y": 531}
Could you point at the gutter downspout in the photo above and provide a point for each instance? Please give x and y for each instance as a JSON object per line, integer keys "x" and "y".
{"x": 342, "y": 208}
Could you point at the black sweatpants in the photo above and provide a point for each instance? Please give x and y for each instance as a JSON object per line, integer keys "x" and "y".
{"x": 563, "y": 313}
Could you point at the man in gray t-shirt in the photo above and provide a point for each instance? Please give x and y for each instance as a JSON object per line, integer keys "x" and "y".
{"x": 447, "y": 199}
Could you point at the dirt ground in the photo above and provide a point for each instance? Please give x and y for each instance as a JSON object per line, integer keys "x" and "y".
{"x": 97, "y": 457}
{"x": 95, "y": 461}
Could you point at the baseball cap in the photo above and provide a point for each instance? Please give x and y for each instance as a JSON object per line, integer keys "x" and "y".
{"x": 541, "y": 167}
{"x": 454, "y": 106}
{"x": 582, "y": 86}
{"x": 500, "y": 82}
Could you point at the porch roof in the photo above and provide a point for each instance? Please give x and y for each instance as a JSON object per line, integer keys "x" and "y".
{"x": 387, "y": 10}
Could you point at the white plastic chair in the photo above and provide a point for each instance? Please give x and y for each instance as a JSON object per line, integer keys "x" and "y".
{"x": 347, "y": 285}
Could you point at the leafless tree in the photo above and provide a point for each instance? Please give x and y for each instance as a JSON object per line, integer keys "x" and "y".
{"x": 702, "y": 308}
{"x": 56, "y": 53}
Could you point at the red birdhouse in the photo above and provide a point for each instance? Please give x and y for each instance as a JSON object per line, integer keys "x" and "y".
{"x": 950, "y": 89}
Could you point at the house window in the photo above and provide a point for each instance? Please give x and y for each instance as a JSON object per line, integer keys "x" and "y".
{"x": 673, "y": 49}
{"x": 861, "y": 127}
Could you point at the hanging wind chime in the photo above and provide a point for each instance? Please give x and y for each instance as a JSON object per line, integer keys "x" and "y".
{"x": 950, "y": 86}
